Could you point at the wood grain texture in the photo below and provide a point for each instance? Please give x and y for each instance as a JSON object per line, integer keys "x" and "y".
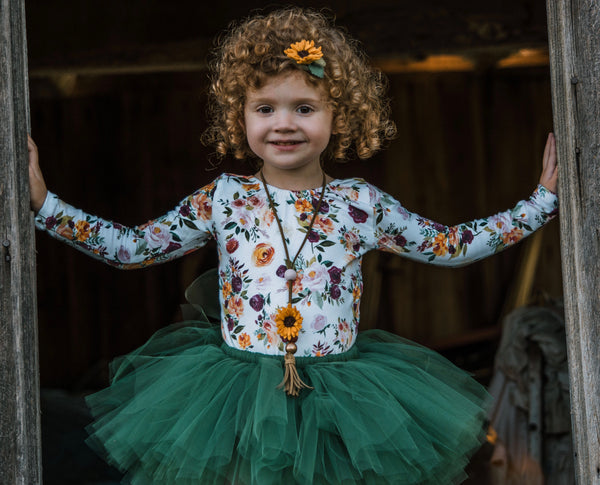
{"x": 20, "y": 457}
{"x": 574, "y": 37}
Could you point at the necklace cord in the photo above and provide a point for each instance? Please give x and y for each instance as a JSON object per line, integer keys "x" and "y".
{"x": 292, "y": 383}
{"x": 289, "y": 263}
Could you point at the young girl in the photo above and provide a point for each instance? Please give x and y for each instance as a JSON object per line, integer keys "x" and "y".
{"x": 285, "y": 390}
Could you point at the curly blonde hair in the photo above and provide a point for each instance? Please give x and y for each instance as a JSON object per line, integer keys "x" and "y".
{"x": 252, "y": 52}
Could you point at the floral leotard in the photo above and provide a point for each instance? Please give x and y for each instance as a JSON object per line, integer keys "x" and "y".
{"x": 355, "y": 217}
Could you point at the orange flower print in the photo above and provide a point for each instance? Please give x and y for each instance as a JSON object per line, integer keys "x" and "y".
{"x": 83, "y": 229}
{"x": 203, "y": 206}
{"x": 440, "y": 245}
{"x": 271, "y": 331}
{"x": 324, "y": 224}
{"x": 250, "y": 187}
{"x": 65, "y": 231}
{"x": 303, "y": 205}
{"x": 226, "y": 290}
{"x": 352, "y": 241}
{"x": 263, "y": 254}
{"x": 513, "y": 236}
{"x": 235, "y": 306}
{"x": 453, "y": 237}
{"x": 244, "y": 340}
{"x": 267, "y": 216}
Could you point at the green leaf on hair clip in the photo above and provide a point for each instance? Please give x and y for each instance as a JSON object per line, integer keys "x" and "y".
{"x": 316, "y": 70}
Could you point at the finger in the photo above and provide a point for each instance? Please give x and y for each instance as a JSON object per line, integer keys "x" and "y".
{"x": 547, "y": 151}
{"x": 30, "y": 143}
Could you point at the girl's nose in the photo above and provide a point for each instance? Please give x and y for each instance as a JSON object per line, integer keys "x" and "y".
{"x": 284, "y": 122}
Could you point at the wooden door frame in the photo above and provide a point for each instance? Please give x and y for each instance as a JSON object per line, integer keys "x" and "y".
{"x": 20, "y": 435}
{"x": 574, "y": 42}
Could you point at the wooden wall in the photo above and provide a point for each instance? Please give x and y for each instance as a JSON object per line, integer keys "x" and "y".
{"x": 127, "y": 148}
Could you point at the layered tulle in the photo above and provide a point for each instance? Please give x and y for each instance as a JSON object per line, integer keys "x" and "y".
{"x": 183, "y": 409}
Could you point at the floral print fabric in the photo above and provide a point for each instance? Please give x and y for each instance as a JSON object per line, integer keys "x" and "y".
{"x": 355, "y": 217}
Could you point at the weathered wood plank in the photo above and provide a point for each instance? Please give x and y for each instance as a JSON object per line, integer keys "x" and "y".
{"x": 20, "y": 457}
{"x": 574, "y": 38}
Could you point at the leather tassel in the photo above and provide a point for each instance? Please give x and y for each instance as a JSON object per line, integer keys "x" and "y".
{"x": 291, "y": 380}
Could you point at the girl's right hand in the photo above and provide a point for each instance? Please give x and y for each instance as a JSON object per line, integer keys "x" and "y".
{"x": 37, "y": 186}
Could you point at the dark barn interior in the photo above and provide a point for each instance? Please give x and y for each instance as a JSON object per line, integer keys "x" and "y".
{"x": 118, "y": 103}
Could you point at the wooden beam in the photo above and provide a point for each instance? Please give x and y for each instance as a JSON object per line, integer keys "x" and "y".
{"x": 574, "y": 39}
{"x": 20, "y": 457}
{"x": 75, "y": 36}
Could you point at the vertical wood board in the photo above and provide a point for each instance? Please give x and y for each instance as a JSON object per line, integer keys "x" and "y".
{"x": 20, "y": 457}
{"x": 574, "y": 38}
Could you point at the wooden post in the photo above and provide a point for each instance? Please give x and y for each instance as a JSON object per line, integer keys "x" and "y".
{"x": 20, "y": 457}
{"x": 574, "y": 38}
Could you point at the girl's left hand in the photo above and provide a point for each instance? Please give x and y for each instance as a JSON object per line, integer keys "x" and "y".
{"x": 549, "y": 177}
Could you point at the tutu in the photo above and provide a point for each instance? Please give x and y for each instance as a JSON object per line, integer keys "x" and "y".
{"x": 186, "y": 409}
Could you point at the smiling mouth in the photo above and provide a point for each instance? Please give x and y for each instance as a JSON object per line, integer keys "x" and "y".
{"x": 285, "y": 143}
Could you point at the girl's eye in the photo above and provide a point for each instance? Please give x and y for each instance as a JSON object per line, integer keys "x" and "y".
{"x": 264, "y": 109}
{"x": 305, "y": 110}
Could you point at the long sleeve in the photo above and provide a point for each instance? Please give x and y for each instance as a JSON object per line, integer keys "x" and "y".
{"x": 405, "y": 233}
{"x": 182, "y": 230}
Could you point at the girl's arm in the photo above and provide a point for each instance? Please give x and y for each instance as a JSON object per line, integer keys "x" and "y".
{"x": 185, "y": 228}
{"x": 37, "y": 186}
{"x": 402, "y": 232}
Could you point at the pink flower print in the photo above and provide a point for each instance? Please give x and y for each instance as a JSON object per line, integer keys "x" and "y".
{"x": 500, "y": 222}
{"x": 124, "y": 254}
{"x": 403, "y": 212}
{"x": 157, "y": 236}
{"x": 319, "y": 322}
{"x": 263, "y": 283}
{"x": 315, "y": 276}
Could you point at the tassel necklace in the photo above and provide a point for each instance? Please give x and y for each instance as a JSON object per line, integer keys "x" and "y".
{"x": 289, "y": 319}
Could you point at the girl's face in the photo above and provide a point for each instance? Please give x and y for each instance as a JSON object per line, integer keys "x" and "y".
{"x": 288, "y": 126}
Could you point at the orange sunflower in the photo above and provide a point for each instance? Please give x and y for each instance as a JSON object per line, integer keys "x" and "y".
{"x": 304, "y": 52}
{"x": 289, "y": 322}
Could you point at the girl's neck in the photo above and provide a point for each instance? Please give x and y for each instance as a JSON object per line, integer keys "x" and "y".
{"x": 288, "y": 180}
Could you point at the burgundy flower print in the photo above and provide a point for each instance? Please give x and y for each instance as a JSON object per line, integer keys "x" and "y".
{"x": 335, "y": 292}
{"x": 51, "y": 222}
{"x": 281, "y": 271}
{"x": 467, "y": 237}
{"x": 257, "y": 302}
{"x": 313, "y": 237}
{"x": 358, "y": 216}
{"x": 236, "y": 284}
{"x": 173, "y": 246}
{"x": 335, "y": 274}
{"x": 185, "y": 210}
{"x": 324, "y": 209}
{"x": 400, "y": 240}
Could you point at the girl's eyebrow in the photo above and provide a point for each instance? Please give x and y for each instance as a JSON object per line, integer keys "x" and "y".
{"x": 271, "y": 100}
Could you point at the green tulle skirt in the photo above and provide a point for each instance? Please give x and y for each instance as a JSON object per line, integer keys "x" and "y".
{"x": 186, "y": 409}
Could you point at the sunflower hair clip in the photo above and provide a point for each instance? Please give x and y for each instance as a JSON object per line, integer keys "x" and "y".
{"x": 308, "y": 57}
